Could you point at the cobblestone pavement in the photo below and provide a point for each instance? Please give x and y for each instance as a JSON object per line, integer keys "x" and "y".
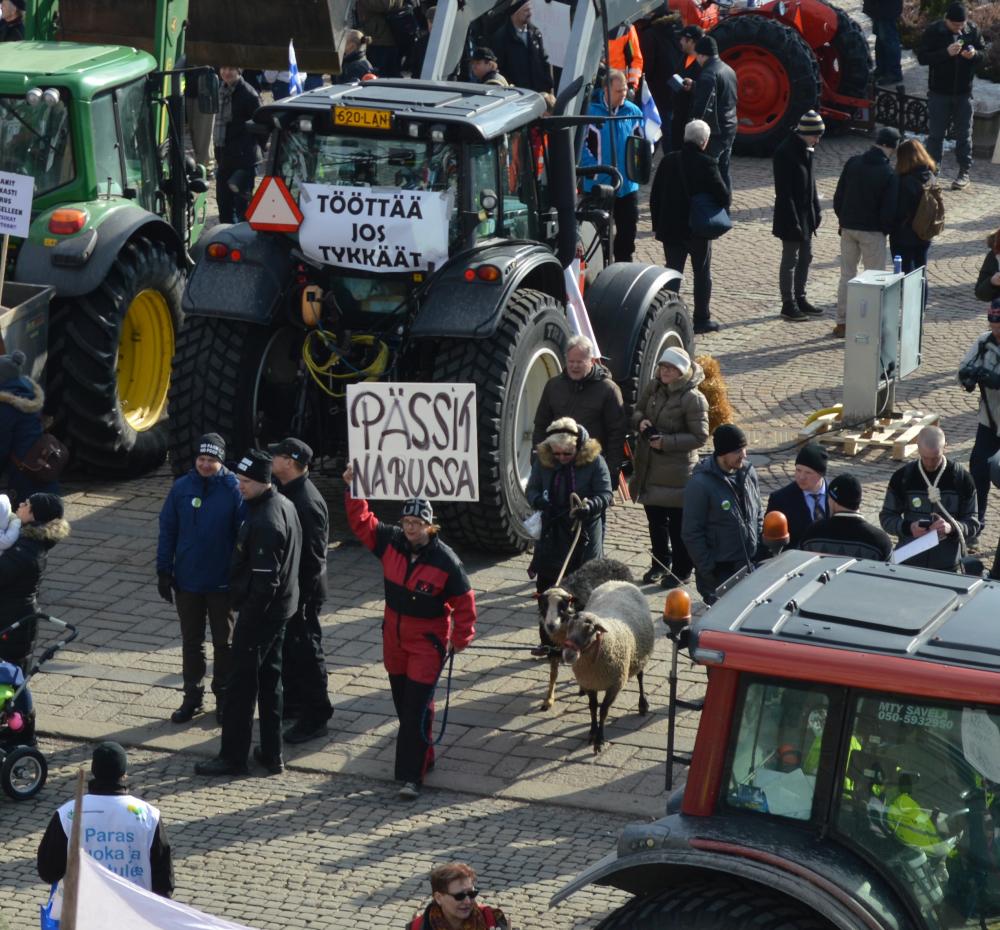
{"x": 532, "y": 771}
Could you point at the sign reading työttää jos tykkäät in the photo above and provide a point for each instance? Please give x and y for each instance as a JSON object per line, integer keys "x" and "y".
{"x": 374, "y": 229}
{"x": 413, "y": 440}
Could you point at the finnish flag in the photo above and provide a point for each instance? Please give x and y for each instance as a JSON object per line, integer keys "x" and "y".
{"x": 651, "y": 115}
{"x": 294, "y": 82}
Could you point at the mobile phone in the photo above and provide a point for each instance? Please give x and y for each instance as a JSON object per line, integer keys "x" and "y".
{"x": 926, "y": 522}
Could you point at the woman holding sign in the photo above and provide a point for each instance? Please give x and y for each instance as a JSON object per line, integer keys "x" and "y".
{"x": 430, "y": 609}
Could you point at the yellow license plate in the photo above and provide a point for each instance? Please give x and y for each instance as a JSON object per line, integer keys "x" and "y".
{"x": 360, "y": 118}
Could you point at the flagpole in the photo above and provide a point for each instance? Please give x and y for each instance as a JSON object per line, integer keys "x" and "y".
{"x": 71, "y": 881}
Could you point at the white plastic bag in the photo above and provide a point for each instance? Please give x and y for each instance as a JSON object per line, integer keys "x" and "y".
{"x": 533, "y": 524}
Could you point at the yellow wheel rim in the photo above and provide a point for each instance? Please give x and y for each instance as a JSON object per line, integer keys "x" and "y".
{"x": 145, "y": 351}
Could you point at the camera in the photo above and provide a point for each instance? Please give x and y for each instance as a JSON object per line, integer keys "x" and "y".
{"x": 924, "y": 523}
{"x": 650, "y": 433}
{"x": 969, "y": 378}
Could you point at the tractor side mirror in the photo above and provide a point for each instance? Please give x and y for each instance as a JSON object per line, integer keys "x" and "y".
{"x": 208, "y": 92}
{"x": 638, "y": 159}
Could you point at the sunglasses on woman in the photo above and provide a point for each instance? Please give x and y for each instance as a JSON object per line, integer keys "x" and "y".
{"x": 462, "y": 895}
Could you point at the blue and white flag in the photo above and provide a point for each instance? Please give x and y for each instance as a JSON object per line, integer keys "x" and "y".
{"x": 294, "y": 82}
{"x": 653, "y": 123}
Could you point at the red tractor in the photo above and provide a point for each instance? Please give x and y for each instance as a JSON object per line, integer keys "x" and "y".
{"x": 789, "y": 56}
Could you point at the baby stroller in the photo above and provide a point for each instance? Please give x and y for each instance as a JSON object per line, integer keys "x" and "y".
{"x": 23, "y": 768}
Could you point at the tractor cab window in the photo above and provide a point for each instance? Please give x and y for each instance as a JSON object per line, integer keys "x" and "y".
{"x": 107, "y": 159}
{"x": 517, "y": 184}
{"x": 777, "y": 750}
{"x": 138, "y": 141}
{"x": 483, "y": 161}
{"x": 921, "y": 796}
{"x": 35, "y": 140}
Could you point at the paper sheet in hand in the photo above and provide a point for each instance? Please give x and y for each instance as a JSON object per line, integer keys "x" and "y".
{"x": 911, "y": 549}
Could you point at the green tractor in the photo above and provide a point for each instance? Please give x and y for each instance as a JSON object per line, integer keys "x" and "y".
{"x": 91, "y": 107}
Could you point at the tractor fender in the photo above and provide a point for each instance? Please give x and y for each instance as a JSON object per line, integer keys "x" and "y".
{"x": 617, "y": 303}
{"x": 839, "y": 887}
{"x": 76, "y": 265}
{"x": 250, "y": 289}
{"x": 814, "y": 19}
{"x": 453, "y": 307}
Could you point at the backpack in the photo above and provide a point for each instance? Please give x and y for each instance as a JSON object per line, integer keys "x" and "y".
{"x": 928, "y": 218}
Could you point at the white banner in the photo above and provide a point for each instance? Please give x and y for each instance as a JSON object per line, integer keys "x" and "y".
{"x": 374, "y": 228}
{"x": 553, "y": 21}
{"x": 108, "y": 900}
{"x": 413, "y": 440}
{"x": 16, "y": 191}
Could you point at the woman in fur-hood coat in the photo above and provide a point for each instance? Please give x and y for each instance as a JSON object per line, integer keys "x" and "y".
{"x": 569, "y": 461}
{"x": 21, "y": 402}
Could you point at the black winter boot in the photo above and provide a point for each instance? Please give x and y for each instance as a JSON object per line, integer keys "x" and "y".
{"x": 791, "y": 312}
{"x": 191, "y": 705}
{"x": 807, "y": 307}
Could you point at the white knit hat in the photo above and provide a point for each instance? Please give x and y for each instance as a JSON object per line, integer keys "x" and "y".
{"x": 676, "y": 357}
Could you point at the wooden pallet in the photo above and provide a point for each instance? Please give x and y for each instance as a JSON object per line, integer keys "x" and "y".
{"x": 898, "y": 433}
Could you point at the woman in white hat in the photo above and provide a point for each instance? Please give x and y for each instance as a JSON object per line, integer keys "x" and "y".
{"x": 672, "y": 420}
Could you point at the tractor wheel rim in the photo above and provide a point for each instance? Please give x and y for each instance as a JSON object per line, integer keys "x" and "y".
{"x": 145, "y": 351}
{"x": 542, "y": 366}
{"x": 764, "y": 87}
{"x": 25, "y": 774}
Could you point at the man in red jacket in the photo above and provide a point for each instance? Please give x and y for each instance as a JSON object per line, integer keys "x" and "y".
{"x": 429, "y": 609}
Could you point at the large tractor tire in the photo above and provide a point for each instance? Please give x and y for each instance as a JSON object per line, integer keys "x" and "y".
{"x": 113, "y": 350}
{"x": 778, "y": 77}
{"x": 509, "y": 370}
{"x": 667, "y": 324}
{"x": 217, "y": 372}
{"x": 713, "y": 907}
{"x": 852, "y": 62}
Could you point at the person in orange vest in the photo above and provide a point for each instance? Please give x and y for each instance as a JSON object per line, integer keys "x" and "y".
{"x": 454, "y": 893}
{"x": 626, "y": 56}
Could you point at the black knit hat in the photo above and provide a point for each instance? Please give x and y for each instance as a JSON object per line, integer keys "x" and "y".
{"x": 956, "y": 13}
{"x": 813, "y": 456}
{"x": 692, "y": 32}
{"x": 212, "y": 444}
{"x": 845, "y": 489}
{"x": 706, "y": 45}
{"x": 256, "y": 466}
{"x": 418, "y": 507}
{"x": 109, "y": 763}
{"x": 728, "y": 438}
{"x": 45, "y": 507}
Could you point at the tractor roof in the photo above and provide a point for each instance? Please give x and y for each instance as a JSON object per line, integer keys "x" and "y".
{"x": 892, "y": 624}
{"x": 473, "y": 111}
{"x": 84, "y": 69}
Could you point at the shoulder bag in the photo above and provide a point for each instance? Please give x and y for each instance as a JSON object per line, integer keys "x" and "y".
{"x": 706, "y": 217}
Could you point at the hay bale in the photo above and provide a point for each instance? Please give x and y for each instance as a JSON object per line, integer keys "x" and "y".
{"x": 714, "y": 388}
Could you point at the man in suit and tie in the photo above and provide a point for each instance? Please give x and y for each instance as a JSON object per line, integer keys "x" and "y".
{"x": 804, "y": 500}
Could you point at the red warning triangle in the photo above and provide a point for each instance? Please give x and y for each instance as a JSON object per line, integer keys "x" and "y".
{"x": 273, "y": 209}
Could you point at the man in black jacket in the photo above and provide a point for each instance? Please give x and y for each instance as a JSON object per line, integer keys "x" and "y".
{"x": 865, "y": 204}
{"x": 688, "y": 72}
{"x": 796, "y": 214}
{"x": 303, "y": 666}
{"x": 805, "y": 499}
{"x": 679, "y": 177}
{"x": 662, "y": 58}
{"x": 714, "y": 101}
{"x": 845, "y": 531}
{"x": 520, "y": 51}
{"x": 264, "y": 581}
{"x": 949, "y": 48}
{"x": 235, "y": 148}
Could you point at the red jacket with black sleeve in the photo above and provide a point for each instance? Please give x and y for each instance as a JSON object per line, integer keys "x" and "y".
{"x": 428, "y": 595}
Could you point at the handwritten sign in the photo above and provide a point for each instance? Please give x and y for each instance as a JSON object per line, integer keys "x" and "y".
{"x": 374, "y": 229}
{"x": 413, "y": 440}
{"x": 981, "y": 742}
{"x": 15, "y": 203}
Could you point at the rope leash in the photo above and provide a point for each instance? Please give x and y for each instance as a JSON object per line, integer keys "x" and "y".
{"x": 575, "y": 501}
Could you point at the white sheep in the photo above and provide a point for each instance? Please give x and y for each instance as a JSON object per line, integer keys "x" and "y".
{"x": 607, "y": 644}
{"x": 557, "y": 605}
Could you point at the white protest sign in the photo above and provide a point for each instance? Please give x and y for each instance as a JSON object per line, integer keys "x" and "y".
{"x": 373, "y": 228}
{"x": 981, "y": 742}
{"x": 413, "y": 440}
{"x": 16, "y": 191}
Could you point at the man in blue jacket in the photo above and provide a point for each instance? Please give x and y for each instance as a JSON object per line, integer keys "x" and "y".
{"x": 613, "y": 136}
{"x": 198, "y": 526}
